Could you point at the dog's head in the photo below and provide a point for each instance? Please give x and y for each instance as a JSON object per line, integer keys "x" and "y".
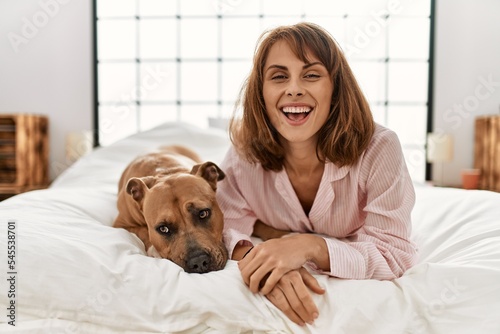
{"x": 184, "y": 220}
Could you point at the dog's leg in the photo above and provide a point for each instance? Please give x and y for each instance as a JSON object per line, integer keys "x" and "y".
{"x": 266, "y": 232}
{"x": 142, "y": 233}
{"x": 153, "y": 252}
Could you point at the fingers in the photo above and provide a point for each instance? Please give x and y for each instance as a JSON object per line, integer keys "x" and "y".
{"x": 292, "y": 297}
{"x": 277, "y": 297}
{"x": 264, "y": 265}
{"x": 252, "y": 272}
{"x": 311, "y": 282}
{"x": 308, "y": 310}
{"x": 258, "y": 278}
{"x": 269, "y": 283}
{"x": 258, "y": 275}
{"x": 261, "y": 278}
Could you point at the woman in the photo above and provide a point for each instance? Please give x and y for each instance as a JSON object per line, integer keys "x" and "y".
{"x": 308, "y": 158}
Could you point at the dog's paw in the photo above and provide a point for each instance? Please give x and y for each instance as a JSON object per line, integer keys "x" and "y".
{"x": 153, "y": 252}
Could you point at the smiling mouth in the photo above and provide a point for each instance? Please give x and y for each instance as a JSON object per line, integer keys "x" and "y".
{"x": 296, "y": 113}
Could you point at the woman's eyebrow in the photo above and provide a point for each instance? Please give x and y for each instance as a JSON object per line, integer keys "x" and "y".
{"x": 312, "y": 64}
{"x": 279, "y": 67}
{"x": 284, "y": 68}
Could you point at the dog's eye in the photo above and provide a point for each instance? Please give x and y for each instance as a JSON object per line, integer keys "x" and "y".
{"x": 204, "y": 214}
{"x": 163, "y": 229}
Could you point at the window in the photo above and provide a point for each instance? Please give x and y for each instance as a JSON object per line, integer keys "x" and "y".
{"x": 173, "y": 60}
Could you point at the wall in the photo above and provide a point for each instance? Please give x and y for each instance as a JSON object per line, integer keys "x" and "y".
{"x": 46, "y": 66}
{"x": 467, "y": 74}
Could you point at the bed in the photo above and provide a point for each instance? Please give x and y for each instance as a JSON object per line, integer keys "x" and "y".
{"x": 74, "y": 273}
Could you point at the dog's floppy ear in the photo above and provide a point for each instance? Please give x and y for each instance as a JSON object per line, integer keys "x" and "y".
{"x": 210, "y": 172}
{"x": 137, "y": 187}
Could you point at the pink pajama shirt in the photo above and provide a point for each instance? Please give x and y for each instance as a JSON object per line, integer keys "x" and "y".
{"x": 362, "y": 211}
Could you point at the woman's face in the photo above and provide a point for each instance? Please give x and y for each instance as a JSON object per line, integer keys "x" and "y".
{"x": 297, "y": 95}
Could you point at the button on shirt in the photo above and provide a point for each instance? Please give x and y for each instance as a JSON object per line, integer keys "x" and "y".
{"x": 362, "y": 211}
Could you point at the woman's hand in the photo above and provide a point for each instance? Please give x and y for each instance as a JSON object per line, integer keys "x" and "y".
{"x": 263, "y": 267}
{"x": 292, "y": 297}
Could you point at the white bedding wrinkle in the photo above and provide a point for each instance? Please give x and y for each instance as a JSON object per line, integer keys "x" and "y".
{"x": 77, "y": 274}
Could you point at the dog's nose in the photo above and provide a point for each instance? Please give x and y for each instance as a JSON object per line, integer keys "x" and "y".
{"x": 199, "y": 263}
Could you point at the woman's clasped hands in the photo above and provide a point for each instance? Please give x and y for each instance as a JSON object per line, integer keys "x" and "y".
{"x": 275, "y": 269}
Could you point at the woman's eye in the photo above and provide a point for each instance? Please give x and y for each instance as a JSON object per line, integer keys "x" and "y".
{"x": 312, "y": 76}
{"x": 204, "y": 214}
{"x": 278, "y": 77}
{"x": 163, "y": 229}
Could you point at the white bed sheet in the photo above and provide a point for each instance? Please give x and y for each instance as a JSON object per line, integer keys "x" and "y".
{"x": 77, "y": 274}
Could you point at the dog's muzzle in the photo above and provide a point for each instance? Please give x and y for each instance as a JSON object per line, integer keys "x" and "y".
{"x": 199, "y": 262}
{"x": 202, "y": 260}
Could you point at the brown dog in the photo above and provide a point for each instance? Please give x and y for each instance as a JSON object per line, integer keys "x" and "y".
{"x": 168, "y": 200}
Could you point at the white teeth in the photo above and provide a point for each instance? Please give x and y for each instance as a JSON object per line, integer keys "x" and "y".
{"x": 296, "y": 110}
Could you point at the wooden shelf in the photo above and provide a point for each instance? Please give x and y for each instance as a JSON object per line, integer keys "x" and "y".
{"x": 487, "y": 151}
{"x": 24, "y": 153}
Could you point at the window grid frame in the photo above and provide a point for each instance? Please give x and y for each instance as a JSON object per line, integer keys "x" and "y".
{"x": 219, "y": 102}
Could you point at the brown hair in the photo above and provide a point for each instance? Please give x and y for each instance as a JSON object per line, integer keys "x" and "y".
{"x": 349, "y": 127}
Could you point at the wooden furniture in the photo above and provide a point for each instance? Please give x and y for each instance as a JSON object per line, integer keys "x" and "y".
{"x": 487, "y": 151}
{"x": 24, "y": 153}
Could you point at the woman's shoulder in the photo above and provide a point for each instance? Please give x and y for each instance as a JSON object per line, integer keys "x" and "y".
{"x": 382, "y": 132}
{"x": 383, "y": 136}
{"x": 384, "y": 142}
{"x": 236, "y": 160}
